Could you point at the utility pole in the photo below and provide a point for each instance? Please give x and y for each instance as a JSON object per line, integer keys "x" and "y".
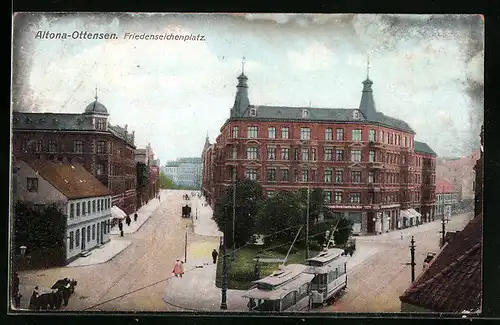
{"x": 223, "y": 304}
{"x": 307, "y": 224}
{"x": 443, "y": 231}
{"x": 412, "y": 259}
{"x": 234, "y": 215}
{"x": 186, "y": 245}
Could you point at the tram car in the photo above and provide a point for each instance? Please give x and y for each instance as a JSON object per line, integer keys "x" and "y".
{"x": 186, "y": 211}
{"x": 285, "y": 290}
{"x": 329, "y": 268}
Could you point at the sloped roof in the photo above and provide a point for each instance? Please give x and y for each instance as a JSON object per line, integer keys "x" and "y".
{"x": 322, "y": 114}
{"x": 452, "y": 282}
{"x": 72, "y": 180}
{"x": 443, "y": 186}
{"x": 422, "y": 147}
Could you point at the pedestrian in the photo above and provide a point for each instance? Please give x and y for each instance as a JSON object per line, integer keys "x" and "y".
{"x": 128, "y": 220}
{"x": 401, "y": 235}
{"x": 182, "y": 268}
{"x": 214, "y": 255}
{"x": 135, "y": 216}
{"x": 177, "y": 271}
{"x": 120, "y": 226}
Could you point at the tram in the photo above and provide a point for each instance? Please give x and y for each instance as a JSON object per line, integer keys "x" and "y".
{"x": 330, "y": 278}
{"x": 287, "y": 289}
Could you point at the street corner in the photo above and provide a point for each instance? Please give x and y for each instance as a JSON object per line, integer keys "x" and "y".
{"x": 202, "y": 250}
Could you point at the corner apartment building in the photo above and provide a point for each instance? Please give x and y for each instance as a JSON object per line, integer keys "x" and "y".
{"x": 370, "y": 167}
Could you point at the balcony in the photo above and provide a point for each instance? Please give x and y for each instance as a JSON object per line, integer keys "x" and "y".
{"x": 375, "y": 164}
{"x": 375, "y": 144}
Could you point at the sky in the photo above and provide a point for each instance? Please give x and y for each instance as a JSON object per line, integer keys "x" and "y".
{"x": 427, "y": 70}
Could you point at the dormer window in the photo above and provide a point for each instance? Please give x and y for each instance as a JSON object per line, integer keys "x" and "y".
{"x": 28, "y": 120}
{"x": 253, "y": 111}
{"x": 305, "y": 113}
{"x": 55, "y": 121}
{"x": 41, "y": 120}
{"x": 355, "y": 115}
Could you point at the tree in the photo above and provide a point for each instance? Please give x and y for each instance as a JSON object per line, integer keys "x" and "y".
{"x": 344, "y": 228}
{"x": 249, "y": 196}
{"x": 281, "y": 211}
{"x": 167, "y": 183}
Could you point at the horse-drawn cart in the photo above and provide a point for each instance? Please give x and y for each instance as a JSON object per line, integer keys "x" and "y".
{"x": 53, "y": 298}
{"x": 186, "y": 211}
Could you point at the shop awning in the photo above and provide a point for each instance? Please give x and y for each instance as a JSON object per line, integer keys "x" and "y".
{"x": 414, "y": 213}
{"x": 117, "y": 213}
{"x": 405, "y": 214}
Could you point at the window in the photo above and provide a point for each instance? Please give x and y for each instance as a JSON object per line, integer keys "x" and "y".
{"x": 271, "y": 133}
{"x": 93, "y": 232}
{"x": 251, "y": 174}
{"x": 252, "y": 153}
{"x": 338, "y": 197}
{"x": 271, "y": 153}
{"x": 370, "y": 177}
{"x": 252, "y": 132}
{"x": 328, "y": 196}
{"x": 284, "y": 175}
{"x": 356, "y": 176}
{"x": 356, "y": 155}
{"x": 71, "y": 239}
{"x": 284, "y": 133}
{"x": 104, "y": 226}
{"x": 93, "y": 206}
{"x": 313, "y": 154}
{"x": 339, "y": 176}
{"x": 100, "y": 169}
{"x": 84, "y": 209}
{"x": 371, "y": 156}
{"x": 234, "y": 154}
{"x": 328, "y": 154}
{"x": 305, "y": 113}
{"x": 271, "y": 175}
{"x": 78, "y": 146}
{"x": 305, "y": 154}
{"x": 72, "y": 210}
{"x": 39, "y": 146}
{"x": 339, "y": 155}
{"x": 328, "y": 134}
{"x": 270, "y": 193}
{"x": 88, "y": 207}
{"x": 77, "y": 238}
{"x": 52, "y": 147}
{"x": 32, "y": 184}
{"x": 88, "y": 233}
{"x": 305, "y": 175}
{"x": 78, "y": 209}
{"x": 371, "y": 135}
{"x": 328, "y": 175}
{"x": 355, "y": 115}
{"x": 100, "y": 147}
{"x": 340, "y": 134}
{"x": 236, "y": 131}
{"x": 356, "y": 135}
{"x": 253, "y": 111}
{"x": 285, "y": 153}
{"x": 355, "y": 197}
{"x": 305, "y": 133}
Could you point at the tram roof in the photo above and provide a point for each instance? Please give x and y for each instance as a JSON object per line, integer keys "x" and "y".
{"x": 281, "y": 291}
{"x": 327, "y": 255}
{"x": 282, "y": 276}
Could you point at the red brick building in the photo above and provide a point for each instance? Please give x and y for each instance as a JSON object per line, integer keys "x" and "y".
{"x": 106, "y": 151}
{"x": 368, "y": 164}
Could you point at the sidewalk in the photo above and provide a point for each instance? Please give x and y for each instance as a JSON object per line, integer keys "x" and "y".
{"x": 196, "y": 290}
{"x": 143, "y": 215}
{"x": 204, "y": 225}
{"x": 102, "y": 254}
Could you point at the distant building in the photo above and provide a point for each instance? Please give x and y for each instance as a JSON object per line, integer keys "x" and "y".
{"x": 106, "y": 151}
{"x": 447, "y": 199}
{"x": 171, "y": 170}
{"x": 85, "y": 202}
{"x": 146, "y": 157}
{"x": 189, "y": 172}
{"x": 369, "y": 165}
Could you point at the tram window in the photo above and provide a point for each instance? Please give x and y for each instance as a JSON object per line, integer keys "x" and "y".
{"x": 303, "y": 291}
{"x": 269, "y": 305}
{"x": 322, "y": 279}
{"x": 341, "y": 269}
{"x": 288, "y": 301}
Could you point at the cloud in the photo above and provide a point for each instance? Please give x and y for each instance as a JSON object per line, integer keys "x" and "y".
{"x": 315, "y": 57}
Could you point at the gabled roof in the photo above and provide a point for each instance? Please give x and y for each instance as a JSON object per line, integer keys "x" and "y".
{"x": 72, "y": 180}
{"x": 452, "y": 282}
{"x": 422, "y": 147}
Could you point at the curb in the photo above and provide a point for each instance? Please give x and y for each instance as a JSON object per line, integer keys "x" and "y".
{"x": 112, "y": 257}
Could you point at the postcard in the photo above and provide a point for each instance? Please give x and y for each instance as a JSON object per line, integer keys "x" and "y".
{"x": 258, "y": 163}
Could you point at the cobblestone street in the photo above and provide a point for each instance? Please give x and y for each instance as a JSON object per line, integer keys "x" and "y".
{"x": 375, "y": 284}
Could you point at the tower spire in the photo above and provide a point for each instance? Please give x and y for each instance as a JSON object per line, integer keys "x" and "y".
{"x": 96, "y": 93}
{"x": 243, "y": 66}
{"x": 368, "y": 66}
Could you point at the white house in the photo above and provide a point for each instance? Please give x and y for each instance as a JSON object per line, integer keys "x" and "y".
{"x": 85, "y": 201}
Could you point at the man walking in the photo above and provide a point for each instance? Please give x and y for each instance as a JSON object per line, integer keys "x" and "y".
{"x": 120, "y": 226}
{"x": 128, "y": 220}
{"x": 214, "y": 255}
{"x": 135, "y": 216}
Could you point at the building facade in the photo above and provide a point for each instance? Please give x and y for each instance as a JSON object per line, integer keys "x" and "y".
{"x": 106, "y": 151}
{"x": 447, "y": 199}
{"x": 189, "y": 172}
{"x": 145, "y": 158}
{"x": 87, "y": 207}
{"x": 171, "y": 170}
{"x": 365, "y": 161}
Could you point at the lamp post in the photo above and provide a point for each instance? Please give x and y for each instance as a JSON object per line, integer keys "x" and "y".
{"x": 223, "y": 304}
{"x": 234, "y": 216}
{"x": 307, "y": 224}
